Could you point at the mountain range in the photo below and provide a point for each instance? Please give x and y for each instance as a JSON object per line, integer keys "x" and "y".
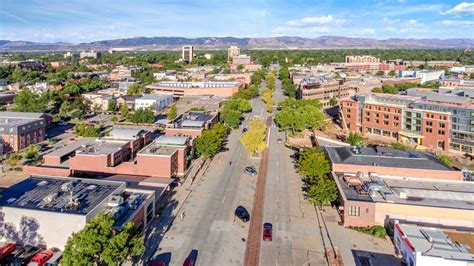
{"x": 286, "y": 42}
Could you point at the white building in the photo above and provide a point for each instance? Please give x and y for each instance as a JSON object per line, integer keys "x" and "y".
{"x": 187, "y": 53}
{"x": 233, "y": 51}
{"x": 52, "y": 208}
{"x": 90, "y": 54}
{"x": 426, "y": 246}
{"x": 425, "y": 75}
{"x": 158, "y": 100}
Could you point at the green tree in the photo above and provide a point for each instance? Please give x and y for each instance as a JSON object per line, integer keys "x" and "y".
{"x": 254, "y": 139}
{"x": 13, "y": 160}
{"x": 98, "y": 243}
{"x": 267, "y": 98}
{"x": 31, "y": 153}
{"x": 312, "y": 164}
{"x": 392, "y": 73}
{"x": 210, "y": 142}
{"x": 143, "y": 115}
{"x": 322, "y": 192}
{"x": 173, "y": 112}
{"x": 26, "y": 101}
{"x": 231, "y": 117}
{"x": 444, "y": 159}
{"x": 124, "y": 111}
{"x": 333, "y": 101}
{"x": 355, "y": 139}
{"x": 299, "y": 115}
{"x": 65, "y": 109}
{"x": 85, "y": 130}
{"x": 380, "y": 73}
{"x": 112, "y": 106}
{"x": 136, "y": 89}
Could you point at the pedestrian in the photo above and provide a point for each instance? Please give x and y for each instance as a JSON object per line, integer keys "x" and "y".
{"x": 230, "y": 163}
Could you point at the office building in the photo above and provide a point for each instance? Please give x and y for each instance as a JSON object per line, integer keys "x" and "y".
{"x": 187, "y": 53}
{"x": 428, "y": 246}
{"x": 90, "y": 54}
{"x": 241, "y": 59}
{"x": 51, "y": 209}
{"x": 180, "y": 89}
{"x": 232, "y": 51}
{"x": 425, "y": 75}
{"x": 361, "y": 59}
{"x": 427, "y": 118}
{"x": 72, "y": 55}
{"x": 158, "y": 101}
{"x": 323, "y": 89}
{"x": 19, "y": 130}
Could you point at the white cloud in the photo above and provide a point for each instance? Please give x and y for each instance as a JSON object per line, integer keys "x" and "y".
{"x": 463, "y": 8}
{"x": 457, "y": 22}
{"x": 388, "y": 21}
{"x": 312, "y": 21}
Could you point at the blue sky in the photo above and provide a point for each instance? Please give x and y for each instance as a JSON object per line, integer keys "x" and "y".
{"x": 87, "y": 20}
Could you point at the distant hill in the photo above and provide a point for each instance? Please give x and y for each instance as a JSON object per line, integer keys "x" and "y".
{"x": 286, "y": 42}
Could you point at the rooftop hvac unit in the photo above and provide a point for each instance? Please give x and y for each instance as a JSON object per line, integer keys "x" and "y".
{"x": 115, "y": 201}
{"x": 50, "y": 198}
{"x": 66, "y": 187}
{"x": 403, "y": 195}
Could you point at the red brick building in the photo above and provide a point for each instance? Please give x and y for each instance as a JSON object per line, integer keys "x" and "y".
{"x": 19, "y": 130}
{"x": 191, "y": 124}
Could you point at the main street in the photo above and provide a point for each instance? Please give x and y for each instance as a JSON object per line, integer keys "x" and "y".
{"x": 209, "y": 227}
{"x": 296, "y": 237}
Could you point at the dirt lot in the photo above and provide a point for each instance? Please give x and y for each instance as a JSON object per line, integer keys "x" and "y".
{"x": 11, "y": 177}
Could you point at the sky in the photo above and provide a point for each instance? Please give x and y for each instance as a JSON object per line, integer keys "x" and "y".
{"x": 79, "y": 21}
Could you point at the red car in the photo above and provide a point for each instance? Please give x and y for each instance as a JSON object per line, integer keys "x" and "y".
{"x": 267, "y": 232}
{"x": 188, "y": 262}
{"x": 4, "y": 251}
{"x": 41, "y": 258}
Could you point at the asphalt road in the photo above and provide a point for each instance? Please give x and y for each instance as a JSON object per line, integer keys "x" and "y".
{"x": 296, "y": 236}
{"x": 209, "y": 229}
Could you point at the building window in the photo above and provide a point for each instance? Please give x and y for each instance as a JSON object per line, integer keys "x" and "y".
{"x": 429, "y": 130}
{"x": 429, "y": 123}
{"x": 354, "y": 211}
{"x": 442, "y": 125}
{"x": 395, "y": 124}
{"x": 385, "y": 116}
{"x": 385, "y": 122}
{"x": 440, "y": 132}
{"x": 395, "y": 117}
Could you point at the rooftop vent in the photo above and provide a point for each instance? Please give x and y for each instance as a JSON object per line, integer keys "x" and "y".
{"x": 11, "y": 200}
{"x": 50, "y": 198}
{"x": 115, "y": 201}
{"x": 91, "y": 187}
{"x": 67, "y": 187}
{"x": 43, "y": 183}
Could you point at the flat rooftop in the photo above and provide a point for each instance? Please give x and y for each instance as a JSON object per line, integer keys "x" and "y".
{"x": 385, "y": 157}
{"x": 101, "y": 147}
{"x": 436, "y": 242}
{"x": 123, "y": 133}
{"x": 193, "y": 120}
{"x": 56, "y": 194}
{"x": 197, "y": 85}
{"x": 410, "y": 191}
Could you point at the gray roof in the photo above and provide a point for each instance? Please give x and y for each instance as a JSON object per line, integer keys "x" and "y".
{"x": 441, "y": 246}
{"x": 385, "y": 157}
{"x": 126, "y": 133}
{"x": 171, "y": 140}
{"x": 54, "y": 194}
{"x": 155, "y": 96}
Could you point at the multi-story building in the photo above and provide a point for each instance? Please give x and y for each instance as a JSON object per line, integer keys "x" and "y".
{"x": 323, "y": 89}
{"x": 187, "y": 53}
{"x": 427, "y": 118}
{"x": 126, "y": 151}
{"x": 19, "y": 130}
{"x": 232, "y": 51}
{"x": 72, "y": 55}
{"x": 52, "y": 208}
{"x": 158, "y": 101}
{"x": 241, "y": 59}
{"x": 379, "y": 185}
{"x": 120, "y": 73}
{"x": 361, "y": 59}
{"x": 191, "y": 124}
{"x": 425, "y": 75}
{"x": 180, "y": 89}
{"x": 90, "y": 54}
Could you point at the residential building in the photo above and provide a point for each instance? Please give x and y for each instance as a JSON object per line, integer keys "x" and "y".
{"x": 427, "y": 118}
{"x": 90, "y": 54}
{"x": 180, "y": 89}
{"x": 97, "y": 101}
{"x": 19, "y": 130}
{"x": 157, "y": 101}
{"x": 323, "y": 89}
{"x": 427, "y": 246}
{"x": 57, "y": 64}
{"x": 191, "y": 124}
{"x": 128, "y": 100}
{"x": 361, "y": 59}
{"x": 378, "y": 186}
{"x": 415, "y": 63}
{"x": 169, "y": 75}
{"x": 455, "y": 83}
{"x": 120, "y": 73}
{"x": 187, "y": 53}
{"x": 241, "y": 59}
{"x": 51, "y": 208}
{"x": 72, "y": 55}
{"x": 232, "y": 51}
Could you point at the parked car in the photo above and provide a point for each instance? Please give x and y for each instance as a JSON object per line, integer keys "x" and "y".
{"x": 279, "y": 141}
{"x": 55, "y": 259}
{"x": 26, "y": 256}
{"x": 242, "y": 214}
{"x": 188, "y": 262}
{"x": 250, "y": 171}
{"x": 267, "y": 232}
{"x": 41, "y": 258}
{"x": 10, "y": 259}
{"x": 6, "y": 250}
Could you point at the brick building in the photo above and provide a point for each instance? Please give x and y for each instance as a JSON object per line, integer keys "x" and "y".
{"x": 19, "y": 130}
{"x": 431, "y": 119}
{"x": 180, "y": 89}
{"x": 361, "y": 59}
{"x": 323, "y": 89}
{"x": 377, "y": 186}
{"x": 191, "y": 124}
